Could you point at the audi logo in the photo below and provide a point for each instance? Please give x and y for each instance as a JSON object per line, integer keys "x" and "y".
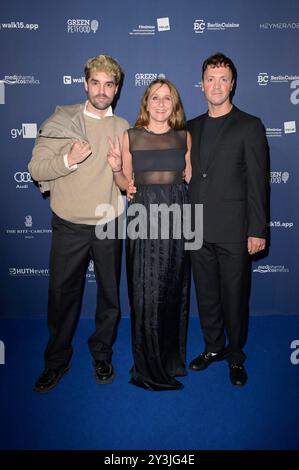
{"x": 22, "y": 177}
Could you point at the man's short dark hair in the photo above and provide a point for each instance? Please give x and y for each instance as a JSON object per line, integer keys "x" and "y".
{"x": 218, "y": 60}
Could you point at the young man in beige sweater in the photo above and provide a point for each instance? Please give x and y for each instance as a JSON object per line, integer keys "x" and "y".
{"x": 70, "y": 160}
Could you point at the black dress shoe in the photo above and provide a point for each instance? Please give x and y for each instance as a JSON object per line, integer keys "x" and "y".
{"x": 49, "y": 379}
{"x": 237, "y": 374}
{"x": 104, "y": 372}
{"x": 204, "y": 360}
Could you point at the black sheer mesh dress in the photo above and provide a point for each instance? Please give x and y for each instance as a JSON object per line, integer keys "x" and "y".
{"x": 157, "y": 264}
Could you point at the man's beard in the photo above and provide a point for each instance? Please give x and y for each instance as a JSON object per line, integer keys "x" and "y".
{"x": 100, "y": 105}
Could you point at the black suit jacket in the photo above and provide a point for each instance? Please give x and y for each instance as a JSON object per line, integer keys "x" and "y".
{"x": 233, "y": 185}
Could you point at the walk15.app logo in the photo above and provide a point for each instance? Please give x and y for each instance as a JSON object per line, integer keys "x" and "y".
{"x": 2, "y": 353}
{"x": 294, "y": 357}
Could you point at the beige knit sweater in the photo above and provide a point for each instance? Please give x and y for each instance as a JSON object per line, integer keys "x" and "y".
{"x": 75, "y": 195}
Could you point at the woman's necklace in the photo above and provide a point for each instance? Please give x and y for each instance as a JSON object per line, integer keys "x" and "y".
{"x": 147, "y": 128}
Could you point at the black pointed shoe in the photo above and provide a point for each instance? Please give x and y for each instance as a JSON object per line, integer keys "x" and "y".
{"x": 203, "y": 361}
{"x": 237, "y": 374}
{"x": 49, "y": 379}
{"x": 104, "y": 372}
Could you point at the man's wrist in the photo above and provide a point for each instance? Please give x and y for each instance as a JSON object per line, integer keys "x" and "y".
{"x": 67, "y": 164}
{"x": 117, "y": 171}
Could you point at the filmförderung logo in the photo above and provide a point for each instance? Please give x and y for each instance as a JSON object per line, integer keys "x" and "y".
{"x": 289, "y": 127}
{"x": 163, "y": 24}
{"x": 200, "y": 26}
{"x": 143, "y": 30}
{"x": 82, "y": 26}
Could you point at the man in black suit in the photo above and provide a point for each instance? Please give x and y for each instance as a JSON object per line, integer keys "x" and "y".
{"x": 229, "y": 177}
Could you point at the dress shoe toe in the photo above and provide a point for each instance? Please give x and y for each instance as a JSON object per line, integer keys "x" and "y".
{"x": 49, "y": 379}
{"x": 237, "y": 374}
{"x": 104, "y": 372}
{"x": 203, "y": 361}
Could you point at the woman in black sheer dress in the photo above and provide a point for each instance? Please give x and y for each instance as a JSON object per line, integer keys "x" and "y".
{"x": 156, "y": 156}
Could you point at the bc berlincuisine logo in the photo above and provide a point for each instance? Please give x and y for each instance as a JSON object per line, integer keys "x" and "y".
{"x": 201, "y": 26}
{"x": 264, "y": 79}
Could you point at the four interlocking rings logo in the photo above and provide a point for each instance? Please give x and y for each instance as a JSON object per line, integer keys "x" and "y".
{"x": 22, "y": 177}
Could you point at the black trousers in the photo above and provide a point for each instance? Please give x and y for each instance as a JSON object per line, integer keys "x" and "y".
{"x": 221, "y": 274}
{"x": 73, "y": 245}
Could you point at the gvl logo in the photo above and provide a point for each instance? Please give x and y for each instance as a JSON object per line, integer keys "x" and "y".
{"x": 294, "y": 358}
{"x": 2, "y": 353}
{"x": 28, "y": 131}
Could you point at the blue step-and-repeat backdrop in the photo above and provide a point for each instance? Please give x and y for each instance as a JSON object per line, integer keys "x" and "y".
{"x": 44, "y": 46}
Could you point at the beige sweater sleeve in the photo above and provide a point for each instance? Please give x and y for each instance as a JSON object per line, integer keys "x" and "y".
{"x": 47, "y": 161}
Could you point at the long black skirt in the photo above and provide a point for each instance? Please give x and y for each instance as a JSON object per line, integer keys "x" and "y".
{"x": 158, "y": 273}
